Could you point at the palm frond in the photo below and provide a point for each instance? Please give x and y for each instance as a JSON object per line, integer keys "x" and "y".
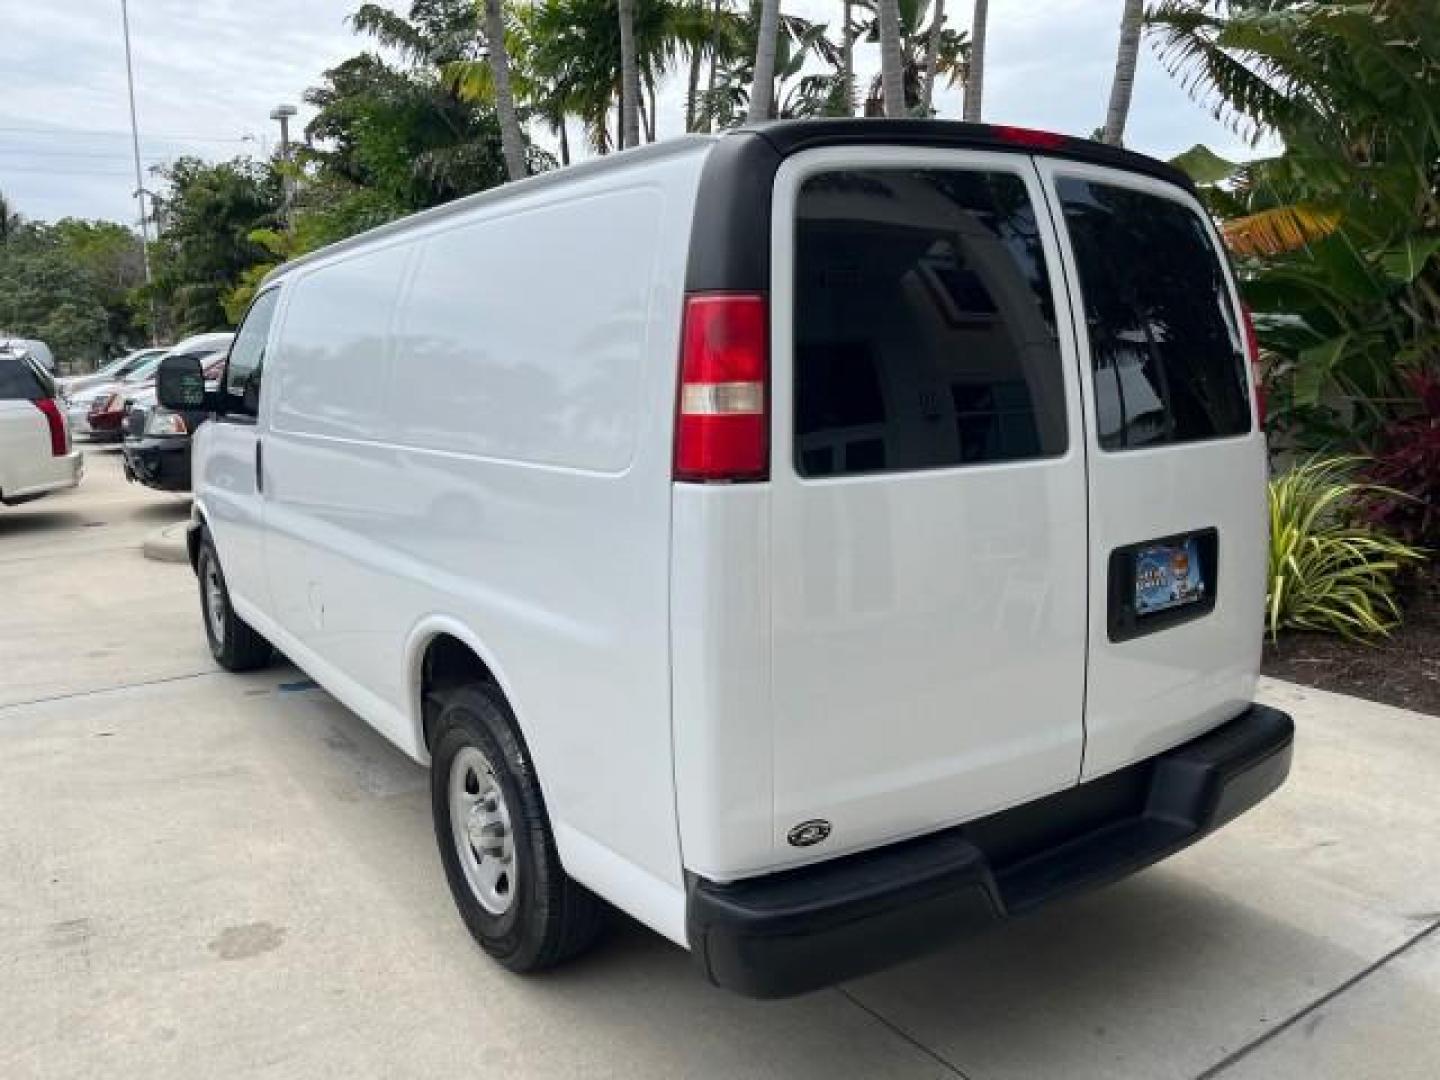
{"x": 1207, "y": 53}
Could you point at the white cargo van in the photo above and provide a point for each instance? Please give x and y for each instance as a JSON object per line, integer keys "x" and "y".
{"x": 815, "y": 541}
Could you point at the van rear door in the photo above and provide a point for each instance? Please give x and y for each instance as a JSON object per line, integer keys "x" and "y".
{"x": 1177, "y": 464}
{"x": 928, "y": 532}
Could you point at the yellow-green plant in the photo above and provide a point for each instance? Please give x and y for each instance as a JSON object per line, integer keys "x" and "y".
{"x": 1328, "y": 569}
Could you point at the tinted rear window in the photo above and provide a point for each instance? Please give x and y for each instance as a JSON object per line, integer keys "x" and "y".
{"x": 1168, "y": 357}
{"x": 924, "y": 324}
{"x": 19, "y": 381}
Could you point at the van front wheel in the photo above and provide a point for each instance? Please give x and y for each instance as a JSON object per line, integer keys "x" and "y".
{"x": 495, "y": 840}
{"x": 233, "y": 644}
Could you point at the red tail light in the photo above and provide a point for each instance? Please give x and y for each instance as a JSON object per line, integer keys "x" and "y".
{"x": 59, "y": 429}
{"x": 1252, "y": 349}
{"x": 722, "y": 422}
{"x": 1031, "y": 137}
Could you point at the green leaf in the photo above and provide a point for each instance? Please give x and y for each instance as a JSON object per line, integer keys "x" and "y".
{"x": 1204, "y": 166}
{"x": 1405, "y": 262}
{"x": 1315, "y": 367}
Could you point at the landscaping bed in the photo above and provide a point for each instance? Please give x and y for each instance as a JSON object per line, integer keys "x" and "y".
{"x": 1403, "y": 669}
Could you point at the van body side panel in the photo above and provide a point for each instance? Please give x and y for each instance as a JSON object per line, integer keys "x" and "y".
{"x": 326, "y": 427}
{"x": 720, "y": 641}
{"x": 521, "y": 489}
{"x": 1152, "y": 691}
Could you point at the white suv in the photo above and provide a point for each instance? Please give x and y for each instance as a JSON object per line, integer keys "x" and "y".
{"x": 816, "y": 541}
{"x": 36, "y": 455}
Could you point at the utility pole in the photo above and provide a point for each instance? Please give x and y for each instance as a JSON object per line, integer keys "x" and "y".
{"x": 283, "y": 113}
{"x": 139, "y": 176}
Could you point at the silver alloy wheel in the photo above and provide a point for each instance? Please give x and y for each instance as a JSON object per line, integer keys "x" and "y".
{"x": 480, "y": 827}
{"x": 215, "y": 601}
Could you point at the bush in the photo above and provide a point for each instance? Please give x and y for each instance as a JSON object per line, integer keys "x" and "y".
{"x": 1329, "y": 569}
{"x": 1409, "y": 463}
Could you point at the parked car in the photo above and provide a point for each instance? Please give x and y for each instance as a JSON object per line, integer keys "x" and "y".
{"x": 81, "y": 403}
{"x": 157, "y": 440}
{"x": 107, "y": 373}
{"x": 107, "y": 406}
{"x": 38, "y": 351}
{"x": 36, "y": 455}
{"x": 108, "y": 403}
{"x": 755, "y": 533}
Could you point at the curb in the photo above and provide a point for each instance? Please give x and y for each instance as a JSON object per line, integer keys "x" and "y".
{"x": 167, "y": 544}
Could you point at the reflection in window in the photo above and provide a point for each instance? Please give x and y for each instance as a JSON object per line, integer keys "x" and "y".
{"x": 1168, "y": 357}
{"x": 924, "y": 324}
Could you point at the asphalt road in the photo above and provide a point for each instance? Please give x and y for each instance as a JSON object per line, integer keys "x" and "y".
{"x": 216, "y": 875}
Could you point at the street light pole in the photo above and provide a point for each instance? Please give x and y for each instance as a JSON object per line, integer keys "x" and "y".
{"x": 139, "y": 177}
{"x": 283, "y": 113}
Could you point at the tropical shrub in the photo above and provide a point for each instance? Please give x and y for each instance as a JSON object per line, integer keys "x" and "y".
{"x": 1330, "y": 569}
{"x": 1337, "y": 240}
{"x": 1408, "y": 462}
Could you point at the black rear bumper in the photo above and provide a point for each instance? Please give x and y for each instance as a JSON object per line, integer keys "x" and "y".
{"x": 799, "y": 930}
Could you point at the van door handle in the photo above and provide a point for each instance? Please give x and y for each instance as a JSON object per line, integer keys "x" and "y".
{"x": 259, "y": 467}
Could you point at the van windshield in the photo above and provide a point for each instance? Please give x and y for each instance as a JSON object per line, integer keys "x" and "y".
{"x": 1167, "y": 353}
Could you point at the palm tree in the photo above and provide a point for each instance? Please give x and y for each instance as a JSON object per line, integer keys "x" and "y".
{"x": 629, "y": 78}
{"x": 950, "y": 51}
{"x": 512, "y": 139}
{"x": 975, "y": 79}
{"x": 1124, "y": 84}
{"x": 762, "y": 92}
{"x": 847, "y": 56}
{"x": 932, "y": 54}
{"x": 795, "y": 88}
{"x": 892, "y": 58}
{"x": 715, "y": 32}
{"x": 446, "y": 142}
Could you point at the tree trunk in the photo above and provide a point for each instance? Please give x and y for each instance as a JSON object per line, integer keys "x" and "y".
{"x": 650, "y": 112}
{"x": 512, "y": 140}
{"x": 629, "y": 78}
{"x": 693, "y": 90}
{"x": 847, "y": 59}
{"x": 892, "y": 60}
{"x": 564, "y": 143}
{"x": 932, "y": 52}
{"x": 711, "y": 79}
{"x": 762, "y": 88}
{"x": 975, "y": 77}
{"x": 1125, "y": 60}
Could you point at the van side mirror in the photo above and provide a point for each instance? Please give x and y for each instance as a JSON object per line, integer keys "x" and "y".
{"x": 180, "y": 384}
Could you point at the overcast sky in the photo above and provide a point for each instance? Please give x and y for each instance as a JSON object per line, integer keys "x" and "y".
{"x": 208, "y": 72}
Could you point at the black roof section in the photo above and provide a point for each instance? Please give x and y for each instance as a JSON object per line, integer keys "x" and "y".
{"x": 730, "y": 240}
{"x": 791, "y": 136}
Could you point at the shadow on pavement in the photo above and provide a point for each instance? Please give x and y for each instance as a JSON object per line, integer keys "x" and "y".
{"x": 165, "y": 509}
{"x": 16, "y": 524}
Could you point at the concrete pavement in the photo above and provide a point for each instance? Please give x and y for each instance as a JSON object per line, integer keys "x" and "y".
{"x": 220, "y": 875}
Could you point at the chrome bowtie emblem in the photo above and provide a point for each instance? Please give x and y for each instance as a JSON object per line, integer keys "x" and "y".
{"x": 809, "y": 832}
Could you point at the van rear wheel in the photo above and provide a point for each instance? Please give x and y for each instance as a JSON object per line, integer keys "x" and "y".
{"x": 233, "y": 644}
{"x": 495, "y": 840}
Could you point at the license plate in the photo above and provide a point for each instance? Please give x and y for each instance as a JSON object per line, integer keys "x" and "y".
{"x": 1168, "y": 576}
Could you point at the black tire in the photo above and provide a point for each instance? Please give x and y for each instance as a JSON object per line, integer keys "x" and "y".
{"x": 233, "y": 644}
{"x": 550, "y": 918}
